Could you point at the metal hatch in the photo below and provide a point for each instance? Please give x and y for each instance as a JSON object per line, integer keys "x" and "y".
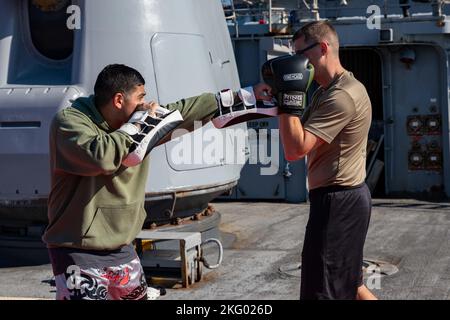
{"x": 178, "y": 76}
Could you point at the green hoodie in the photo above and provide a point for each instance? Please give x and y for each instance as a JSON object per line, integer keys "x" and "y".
{"x": 96, "y": 203}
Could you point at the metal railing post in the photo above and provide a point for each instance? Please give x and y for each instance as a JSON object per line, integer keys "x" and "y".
{"x": 236, "y": 27}
{"x": 270, "y": 15}
{"x": 315, "y": 10}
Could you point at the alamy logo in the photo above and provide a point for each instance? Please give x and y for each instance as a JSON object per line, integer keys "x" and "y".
{"x": 74, "y": 20}
{"x": 73, "y": 280}
{"x": 293, "y": 77}
{"x": 374, "y": 20}
{"x": 212, "y": 147}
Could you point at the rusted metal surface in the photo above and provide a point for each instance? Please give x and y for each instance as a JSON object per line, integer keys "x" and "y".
{"x": 196, "y": 218}
{"x": 202, "y": 189}
{"x": 209, "y": 211}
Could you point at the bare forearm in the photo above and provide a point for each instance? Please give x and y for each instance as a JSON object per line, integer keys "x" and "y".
{"x": 292, "y": 137}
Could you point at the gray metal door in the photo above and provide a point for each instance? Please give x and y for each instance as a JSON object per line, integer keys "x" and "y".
{"x": 413, "y": 95}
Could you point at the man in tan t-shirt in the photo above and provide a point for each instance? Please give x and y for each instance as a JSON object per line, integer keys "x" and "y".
{"x": 340, "y": 115}
{"x": 333, "y": 135}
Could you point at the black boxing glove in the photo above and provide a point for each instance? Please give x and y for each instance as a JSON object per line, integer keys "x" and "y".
{"x": 290, "y": 77}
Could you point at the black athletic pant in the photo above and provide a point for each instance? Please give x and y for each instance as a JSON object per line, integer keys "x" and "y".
{"x": 332, "y": 254}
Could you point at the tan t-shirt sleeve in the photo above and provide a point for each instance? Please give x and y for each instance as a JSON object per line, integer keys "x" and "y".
{"x": 331, "y": 116}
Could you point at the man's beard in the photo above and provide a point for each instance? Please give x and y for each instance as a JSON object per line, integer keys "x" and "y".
{"x": 140, "y": 107}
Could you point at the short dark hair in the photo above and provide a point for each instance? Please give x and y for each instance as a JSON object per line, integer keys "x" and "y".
{"x": 115, "y": 78}
{"x": 317, "y": 31}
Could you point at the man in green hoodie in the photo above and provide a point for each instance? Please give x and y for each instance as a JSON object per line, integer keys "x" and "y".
{"x": 96, "y": 204}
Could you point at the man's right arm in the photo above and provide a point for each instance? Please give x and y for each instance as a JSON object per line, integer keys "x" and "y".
{"x": 198, "y": 108}
{"x": 207, "y": 106}
{"x": 82, "y": 150}
{"x": 322, "y": 126}
{"x": 297, "y": 142}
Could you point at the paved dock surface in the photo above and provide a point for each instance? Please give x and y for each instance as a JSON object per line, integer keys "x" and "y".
{"x": 262, "y": 238}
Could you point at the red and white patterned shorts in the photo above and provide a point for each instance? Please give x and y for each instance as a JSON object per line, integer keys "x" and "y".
{"x": 123, "y": 282}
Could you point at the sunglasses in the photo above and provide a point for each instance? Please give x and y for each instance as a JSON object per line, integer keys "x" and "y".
{"x": 307, "y": 48}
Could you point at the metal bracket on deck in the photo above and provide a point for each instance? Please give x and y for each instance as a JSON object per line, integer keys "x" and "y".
{"x": 189, "y": 259}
